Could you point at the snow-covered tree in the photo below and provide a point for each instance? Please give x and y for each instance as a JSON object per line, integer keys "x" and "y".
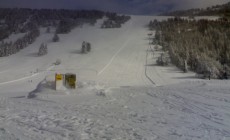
{"x": 58, "y": 62}
{"x": 42, "y": 50}
{"x": 163, "y": 60}
{"x": 83, "y": 47}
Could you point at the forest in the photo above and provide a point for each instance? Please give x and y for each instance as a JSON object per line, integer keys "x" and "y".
{"x": 202, "y": 46}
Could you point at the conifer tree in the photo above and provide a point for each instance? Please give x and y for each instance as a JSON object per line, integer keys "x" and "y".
{"x": 42, "y": 50}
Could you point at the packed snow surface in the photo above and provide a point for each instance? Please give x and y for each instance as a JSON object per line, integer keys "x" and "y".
{"x": 122, "y": 94}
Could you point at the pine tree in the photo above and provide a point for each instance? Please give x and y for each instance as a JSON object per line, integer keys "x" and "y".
{"x": 56, "y": 38}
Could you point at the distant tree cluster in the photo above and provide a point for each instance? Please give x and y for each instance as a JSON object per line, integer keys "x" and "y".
{"x": 217, "y": 10}
{"x": 29, "y": 21}
{"x": 7, "y": 49}
{"x": 4, "y": 33}
{"x": 54, "y": 17}
{"x": 56, "y": 38}
{"x": 86, "y": 47}
{"x": 202, "y": 46}
{"x": 114, "y": 20}
{"x": 65, "y": 26}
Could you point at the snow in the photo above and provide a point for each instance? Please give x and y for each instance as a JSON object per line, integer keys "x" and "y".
{"x": 122, "y": 93}
{"x": 207, "y": 17}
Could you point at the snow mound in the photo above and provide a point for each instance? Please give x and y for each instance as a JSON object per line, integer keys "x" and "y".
{"x": 47, "y": 87}
{"x": 93, "y": 88}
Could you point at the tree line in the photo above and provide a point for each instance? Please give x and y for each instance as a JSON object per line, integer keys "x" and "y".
{"x": 19, "y": 20}
{"x": 216, "y": 10}
{"x": 28, "y": 21}
{"x": 9, "y": 48}
{"x": 114, "y": 20}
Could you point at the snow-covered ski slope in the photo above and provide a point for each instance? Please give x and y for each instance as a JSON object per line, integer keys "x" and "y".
{"x": 122, "y": 93}
{"x": 119, "y": 57}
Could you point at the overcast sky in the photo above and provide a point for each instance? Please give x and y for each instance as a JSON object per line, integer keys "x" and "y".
{"x": 121, "y": 6}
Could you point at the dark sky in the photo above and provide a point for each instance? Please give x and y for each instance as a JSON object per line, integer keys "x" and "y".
{"x": 120, "y": 6}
